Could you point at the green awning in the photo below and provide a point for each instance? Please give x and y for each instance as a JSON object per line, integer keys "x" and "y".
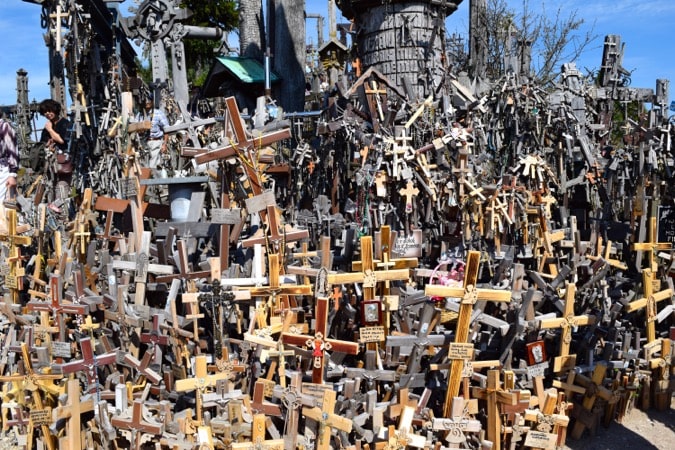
{"x": 247, "y": 70}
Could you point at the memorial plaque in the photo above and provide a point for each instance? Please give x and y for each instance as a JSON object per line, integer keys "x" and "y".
{"x": 371, "y": 334}
{"x": 409, "y": 246}
{"x": 128, "y": 187}
{"x": 460, "y": 351}
{"x": 61, "y": 349}
{"x": 229, "y": 216}
{"x": 41, "y": 417}
{"x": 537, "y": 370}
{"x": 539, "y": 439}
{"x": 666, "y": 224}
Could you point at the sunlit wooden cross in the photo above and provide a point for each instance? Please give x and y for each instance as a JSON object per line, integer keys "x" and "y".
{"x": 200, "y": 382}
{"x": 566, "y": 323}
{"x": 469, "y": 295}
{"x": 649, "y": 301}
{"x": 15, "y": 271}
{"x": 137, "y": 425}
{"x": 651, "y": 246}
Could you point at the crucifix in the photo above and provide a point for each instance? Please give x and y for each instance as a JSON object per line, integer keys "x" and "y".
{"x": 320, "y": 342}
{"x": 89, "y": 363}
{"x": 565, "y": 361}
{"x": 469, "y": 295}
{"x": 651, "y": 246}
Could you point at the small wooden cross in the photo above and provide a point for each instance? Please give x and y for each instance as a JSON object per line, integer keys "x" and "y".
{"x": 201, "y": 381}
{"x": 327, "y": 419}
{"x": 409, "y": 192}
{"x": 258, "y": 442}
{"x": 89, "y": 363}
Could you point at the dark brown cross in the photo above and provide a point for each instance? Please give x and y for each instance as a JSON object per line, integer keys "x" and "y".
{"x": 137, "y": 425}
{"x": 155, "y": 336}
{"x": 259, "y": 404}
{"x": 143, "y": 366}
{"x": 320, "y": 343}
{"x": 89, "y": 363}
{"x": 56, "y": 307}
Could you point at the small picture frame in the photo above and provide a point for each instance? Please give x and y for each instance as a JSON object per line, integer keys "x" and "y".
{"x": 536, "y": 353}
{"x": 371, "y": 313}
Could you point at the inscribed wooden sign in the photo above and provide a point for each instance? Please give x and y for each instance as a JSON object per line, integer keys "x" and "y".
{"x": 539, "y": 439}
{"x": 371, "y": 334}
{"x": 408, "y": 246}
{"x": 458, "y": 350}
{"x": 666, "y": 224}
{"x": 41, "y": 417}
{"x": 61, "y": 349}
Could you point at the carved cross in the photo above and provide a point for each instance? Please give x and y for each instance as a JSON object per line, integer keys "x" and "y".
{"x": 495, "y": 396}
{"x": 650, "y": 301}
{"x": 137, "y": 425}
{"x": 327, "y": 419}
{"x": 89, "y": 363}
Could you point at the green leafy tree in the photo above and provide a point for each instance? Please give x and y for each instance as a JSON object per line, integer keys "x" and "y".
{"x": 221, "y": 14}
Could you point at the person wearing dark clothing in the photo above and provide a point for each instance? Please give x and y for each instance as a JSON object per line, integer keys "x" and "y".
{"x": 55, "y": 135}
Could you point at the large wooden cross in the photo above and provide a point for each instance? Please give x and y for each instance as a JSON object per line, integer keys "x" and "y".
{"x": 89, "y": 363}
{"x": 564, "y": 360}
{"x": 495, "y": 396}
{"x": 137, "y": 425}
{"x": 72, "y": 411}
{"x": 651, "y": 246}
{"x": 649, "y": 301}
{"x": 369, "y": 276}
{"x": 469, "y": 294}
{"x": 320, "y": 342}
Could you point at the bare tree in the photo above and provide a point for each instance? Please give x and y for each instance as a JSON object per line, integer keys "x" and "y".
{"x": 537, "y": 40}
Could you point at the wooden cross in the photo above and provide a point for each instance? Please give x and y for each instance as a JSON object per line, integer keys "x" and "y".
{"x": 34, "y": 382}
{"x": 327, "y": 419}
{"x": 258, "y": 442}
{"x": 652, "y": 246}
{"x": 320, "y": 343}
{"x": 14, "y": 240}
{"x": 368, "y": 276}
{"x": 494, "y": 396}
{"x": 398, "y": 438}
{"x": 649, "y": 301}
{"x": 155, "y": 336}
{"x": 137, "y": 425}
{"x": 89, "y": 363}
{"x": 469, "y": 294}
{"x": 276, "y": 236}
{"x": 661, "y": 369}
{"x": 201, "y": 381}
{"x": 566, "y": 323}
{"x": 458, "y": 424}
{"x": 274, "y": 288}
{"x": 72, "y": 411}
{"x": 549, "y": 424}
{"x": 591, "y": 390}
{"x": 259, "y": 404}
{"x": 143, "y": 366}
{"x": 409, "y": 192}
{"x": 292, "y": 398}
{"x": 56, "y": 307}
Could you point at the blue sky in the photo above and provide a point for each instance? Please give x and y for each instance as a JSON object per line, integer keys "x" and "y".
{"x": 644, "y": 26}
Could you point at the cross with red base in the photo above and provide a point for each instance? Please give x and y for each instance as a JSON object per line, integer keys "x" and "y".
{"x": 89, "y": 363}
{"x": 137, "y": 425}
{"x": 320, "y": 343}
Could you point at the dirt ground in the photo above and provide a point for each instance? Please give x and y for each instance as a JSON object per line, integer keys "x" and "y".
{"x": 640, "y": 430}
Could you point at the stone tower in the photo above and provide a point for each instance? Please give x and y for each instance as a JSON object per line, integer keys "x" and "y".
{"x": 403, "y": 39}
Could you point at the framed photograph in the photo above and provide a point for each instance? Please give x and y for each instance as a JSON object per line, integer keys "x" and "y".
{"x": 371, "y": 313}
{"x": 536, "y": 353}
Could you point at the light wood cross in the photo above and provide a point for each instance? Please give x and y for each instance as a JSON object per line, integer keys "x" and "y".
{"x": 201, "y": 381}
{"x": 327, "y": 419}
{"x": 72, "y": 411}
{"x": 369, "y": 276}
{"x": 402, "y": 436}
{"x": 565, "y": 361}
{"x": 459, "y": 423}
{"x": 469, "y": 295}
{"x": 650, "y": 301}
{"x": 495, "y": 395}
{"x": 549, "y": 425}
{"x": 15, "y": 270}
{"x": 409, "y": 192}
{"x": 258, "y": 441}
{"x": 651, "y": 246}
